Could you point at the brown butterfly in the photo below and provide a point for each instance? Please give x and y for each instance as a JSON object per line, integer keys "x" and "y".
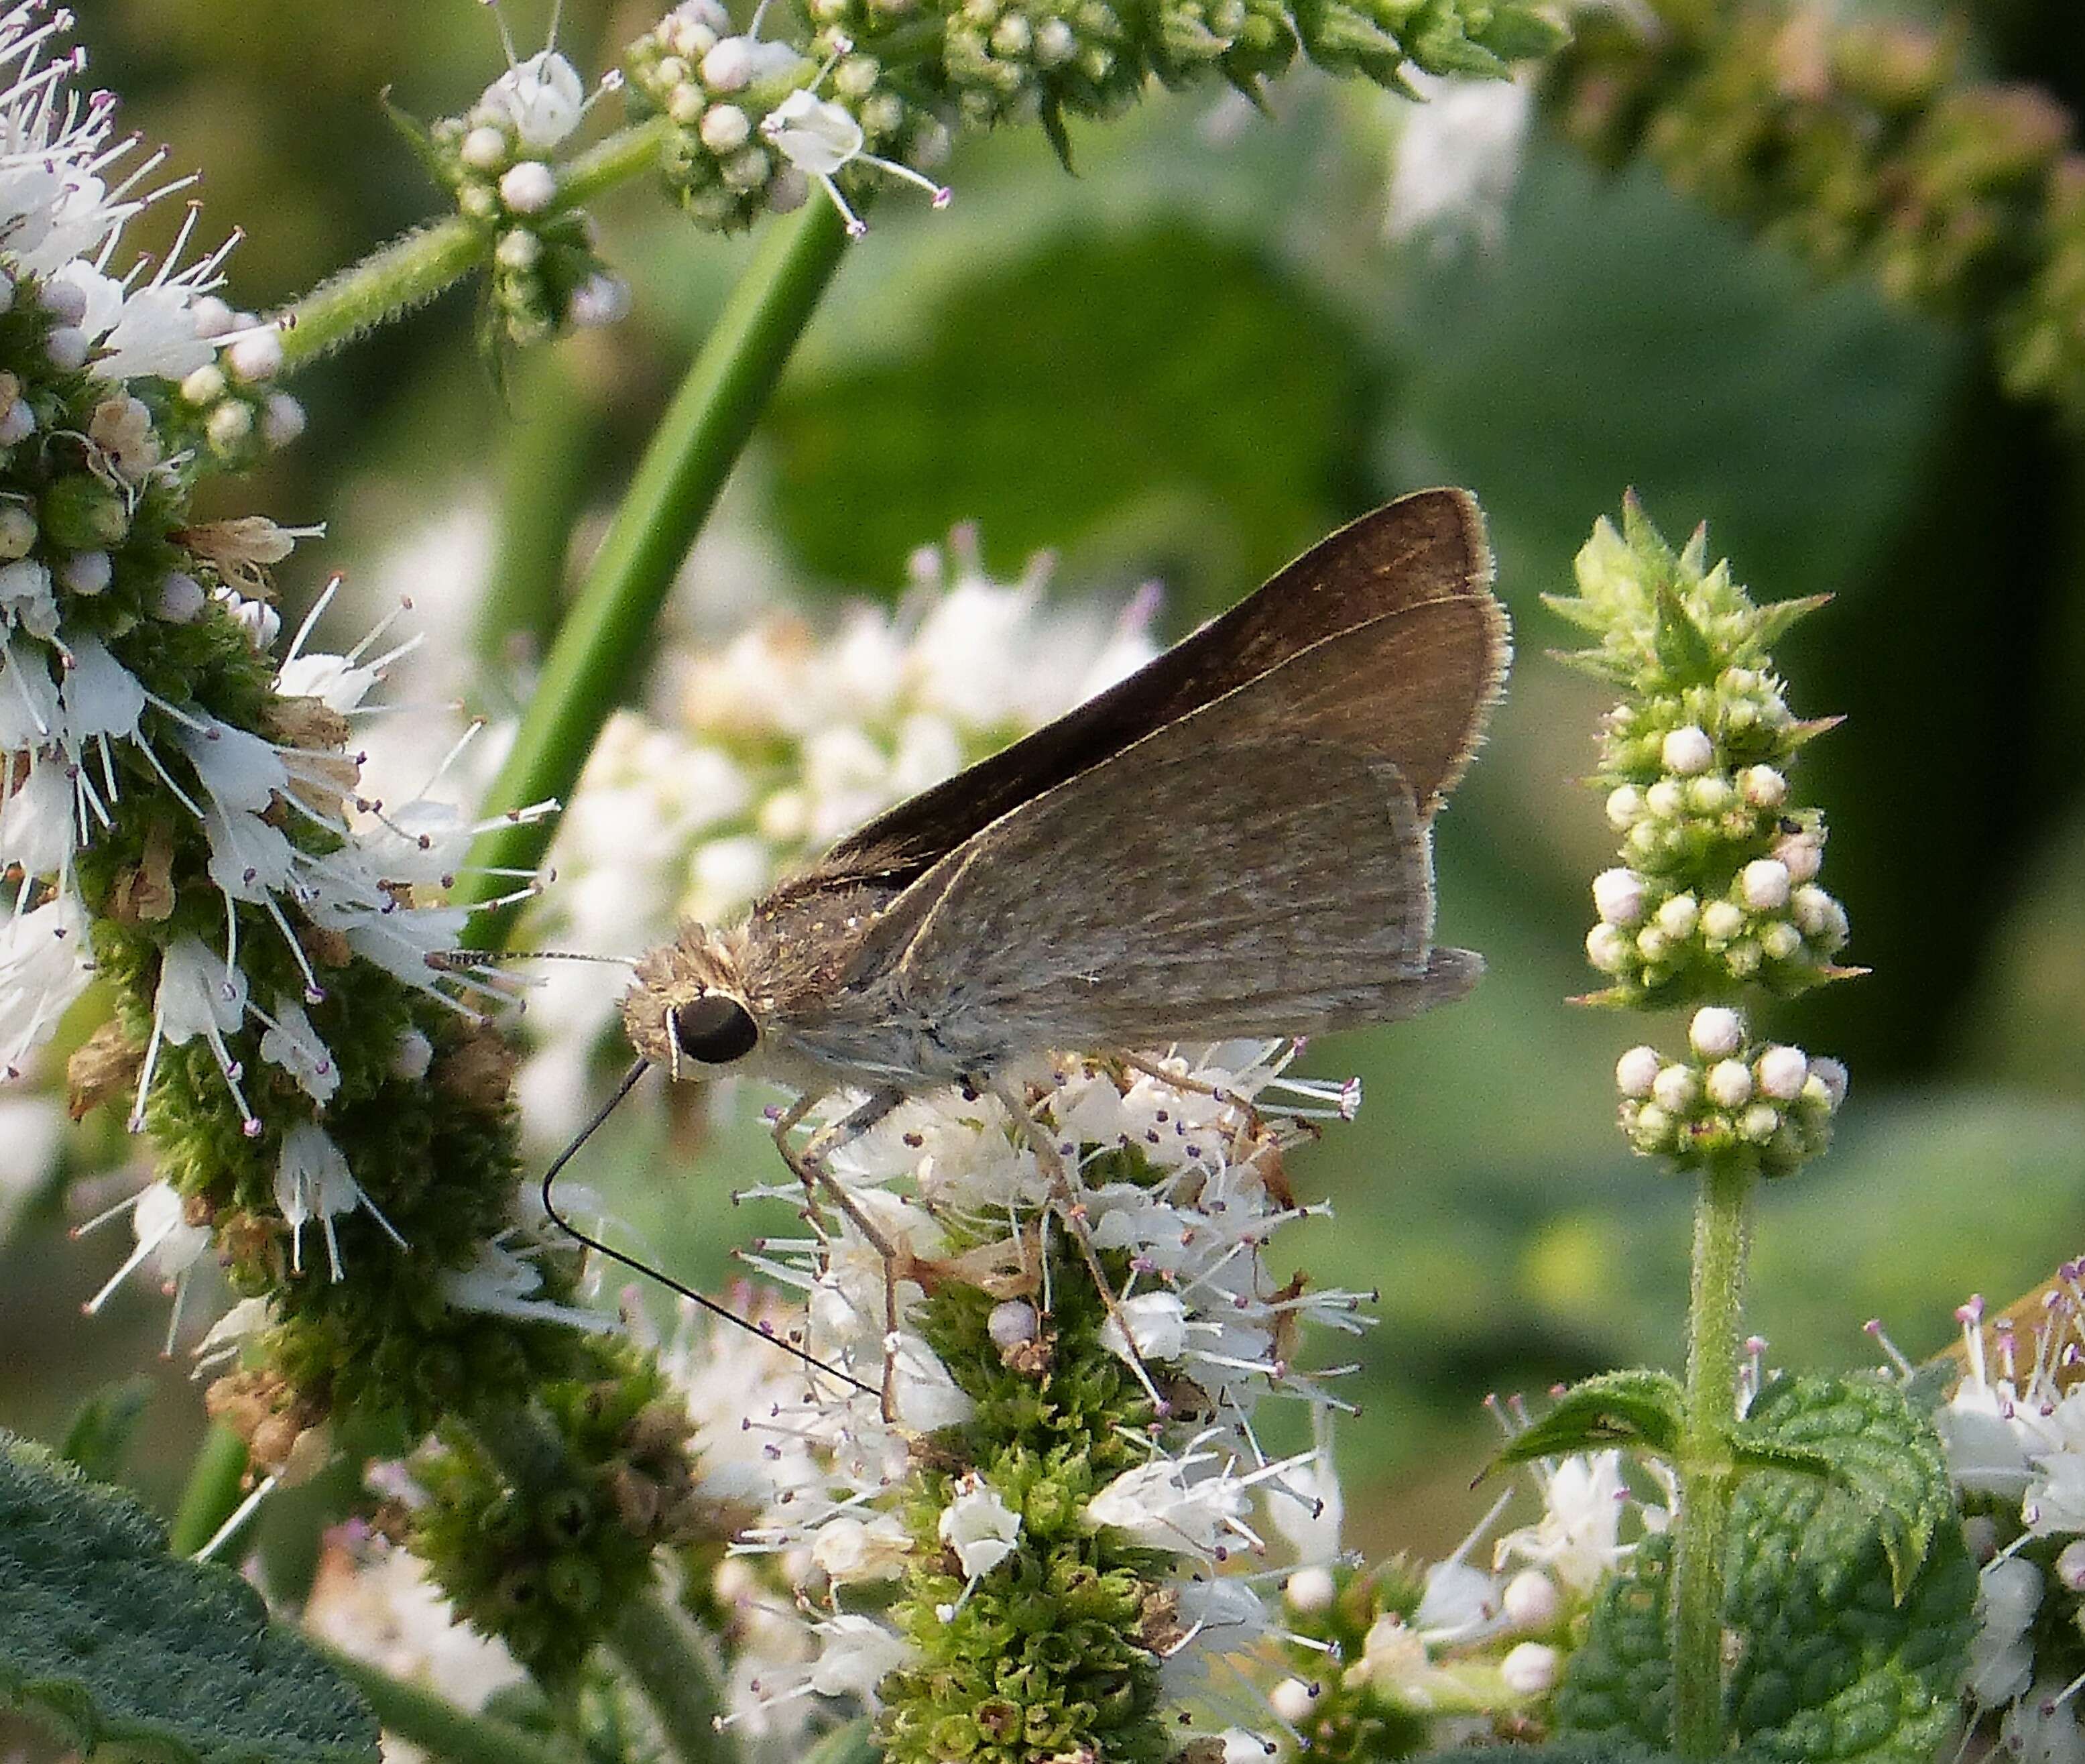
{"x": 1235, "y": 840}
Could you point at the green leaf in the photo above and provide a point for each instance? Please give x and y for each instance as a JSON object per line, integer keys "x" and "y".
{"x": 1113, "y": 423}
{"x": 1687, "y": 655}
{"x": 1638, "y": 1408}
{"x": 1861, "y": 1435}
{"x": 115, "y": 1642}
{"x": 1842, "y": 1662}
{"x": 102, "y": 1428}
{"x": 1617, "y": 1688}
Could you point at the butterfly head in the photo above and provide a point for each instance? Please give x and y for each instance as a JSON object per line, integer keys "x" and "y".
{"x": 688, "y": 1010}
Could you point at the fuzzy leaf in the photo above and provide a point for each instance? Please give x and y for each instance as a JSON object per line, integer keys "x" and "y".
{"x": 102, "y": 1428}
{"x": 1617, "y": 1688}
{"x": 1638, "y": 1408}
{"x": 1771, "y": 623}
{"x": 1843, "y": 1664}
{"x": 115, "y": 1642}
{"x": 1861, "y": 1435}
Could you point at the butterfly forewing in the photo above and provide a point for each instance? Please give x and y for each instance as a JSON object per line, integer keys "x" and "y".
{"x": 1424, "y": 547}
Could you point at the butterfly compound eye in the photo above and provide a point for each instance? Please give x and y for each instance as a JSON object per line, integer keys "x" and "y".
{"x": 714, "y": 1029}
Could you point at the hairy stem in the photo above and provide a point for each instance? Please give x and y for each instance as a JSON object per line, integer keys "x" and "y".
{"x": 438, "y": 1725}
{"x": 605, "y": 636}
{"x": 1708, "y": 1476}
{"x": 410, "y": 271}
{"x": 662, "y": 1654}
{"x": 213, "y": 1492}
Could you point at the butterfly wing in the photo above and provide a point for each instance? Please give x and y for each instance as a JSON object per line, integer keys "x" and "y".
{"x": 1426, "y": 547}
{"x": 1262, "y": 865}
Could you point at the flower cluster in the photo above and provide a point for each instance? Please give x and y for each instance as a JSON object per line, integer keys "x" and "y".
{"x": 182, "y": 828}
{"x": 500, "y": 161}
{"x": 1718, "y": 887}
{"x": 751, "y": 132}
{"x": 1393, "y": 1659}
{"x": 1859, "y": 144}
{"x": 1021, "y": 1548}
{"x": 773, "y": 745}
{"x": 2014, "y": 1429}
{"x": 1729, "y": 1094}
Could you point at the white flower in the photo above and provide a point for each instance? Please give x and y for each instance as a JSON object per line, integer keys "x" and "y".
{"x": 2042, "y": 1728}
{"x": 858, "y": 1654}
{"x": 375, "y": 1602}
{"x": 44, "y": 965}
{"x": 979, "y": 1526}
{"x": 2001, "y": 1654}
{"x": 504, "y": 1284}
{"x": 166, "y": 1240}
{"x": 291, "y": 1042}
{"x": 1578, "y": 1539}
{"x": 1688, "y": 751}
{"x": 1157, "y": 1323}
{"x": 541, "y": 98}
{"x": 820, "y": 137}
{"x": 1457, "y": 156}
{"x": 848, "y": 1550}
{"x": 313, "y": 1181}
{"x": 1531, "y": 1669}
{"x": 198, "y": 995}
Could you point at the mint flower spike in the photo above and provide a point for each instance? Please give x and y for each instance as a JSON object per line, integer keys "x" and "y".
{"x": 1719, "y": 883}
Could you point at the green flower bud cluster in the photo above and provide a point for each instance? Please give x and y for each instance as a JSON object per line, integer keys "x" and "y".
{"x": 500, "y": 161}
{"x": 1717, "y": 885}
{"x": 541, "y": 1524}
{"x": 1860, "y": 147}
{"x": 231, "y": 405}
{"x": 1342, "y": 1709}
{"x": 1730, "y": 1095}
{"x": 750, "y": 129}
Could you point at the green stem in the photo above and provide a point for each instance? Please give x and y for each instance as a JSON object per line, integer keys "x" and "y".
{"x": 606, "y": 633}
{"x": 213, "y": 1492}
{"x": 403, "y": 275}
{"x": 551, "y": 444}
{"x": 412, "y": 270}
{"x": 438, "y": 1725}
{"x": 658, "y": 1650}
{"x": 1707, "y": 1475}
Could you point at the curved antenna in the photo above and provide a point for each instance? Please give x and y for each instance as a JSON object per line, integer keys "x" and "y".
{"x": 629, "y": 1083}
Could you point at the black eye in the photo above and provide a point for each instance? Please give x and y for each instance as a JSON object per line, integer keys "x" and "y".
{"x": 714, "y": 1029}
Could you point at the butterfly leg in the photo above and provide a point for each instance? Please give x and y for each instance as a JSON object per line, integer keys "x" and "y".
{"x": 1072, "y": 1210}
{"x": 808, "y": 1167}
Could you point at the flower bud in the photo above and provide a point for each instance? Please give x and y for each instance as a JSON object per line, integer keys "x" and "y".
{"x": 1625, "y": 807}
{"x": 1664, "y": 800}
{"x": 1763, "y": 787}
{"x": 1801, "y": 854}
{"x": 1678, "y": 916}
{"x": 182, "y": 598}
{"x": 724, "y": 128}
{"x": 1688, "y": 751}
{"x": 1709, "y": 795}
{"x": 1608, "y": 949}
{"x": 1618, "y": 896}
{"x": 1531, "y": 1669}
{"x": 18, "y": 532}
{"x": 1311, "y": 1589}
{"x": 1012, "y": 1323}
{"x": 483, "y": 150}
{"x": 528, "y": 188}
{"x": 1763, "y": 885}
{"x": 1722, "y": 920}
{"x": 1636, "y": 1071}
{"x": 1760, "y": 1123}
{"x": 1531, "y": 1600}
{"x": 1291, "y": 1699}
{"x": 728, "y": 67}
{"x": 1729, "y": 1083}
{"x": 257, "y": 355}
{"x": 206, "y": 385}
{"x": 1676, "y": 1089}
{"x": 1780, "y": 940}
{"x": 1716, "y": 1032}
{"x": 2071, "y": 1564}
{"x": 1833, "y": 1076}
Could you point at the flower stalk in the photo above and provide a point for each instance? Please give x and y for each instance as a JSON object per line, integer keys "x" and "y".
{"x": 676, "y": 484}
{"x": 438, "y": 1725}
{"x": 1707, "y": 1473}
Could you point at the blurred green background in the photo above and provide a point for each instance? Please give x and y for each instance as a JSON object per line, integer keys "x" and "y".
{"x": 1189, "y": 361}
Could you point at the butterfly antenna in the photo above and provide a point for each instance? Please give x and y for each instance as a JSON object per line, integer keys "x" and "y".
{"x": 629, "y": 1083}
{"x": 460, "y": 959}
